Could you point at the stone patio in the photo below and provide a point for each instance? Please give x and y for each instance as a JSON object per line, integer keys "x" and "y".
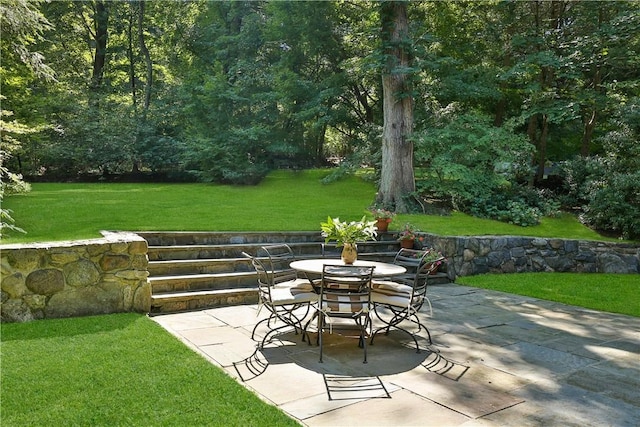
{"x": 496, "y": 360}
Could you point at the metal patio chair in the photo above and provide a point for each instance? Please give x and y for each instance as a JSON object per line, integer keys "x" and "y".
{"x": 345, "y": 294}
{"x": 405, "y": 295}
{"x": 280, "y": 290}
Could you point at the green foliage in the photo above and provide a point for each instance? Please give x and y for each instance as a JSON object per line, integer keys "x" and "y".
{"x": 616, "y": 205}
{"x": 578, "y": 175}
{"x": 10, "y": 182}
{"x": 241, "y": 88}
{"x": 607, "y": 187}
{"x": 497, "y": 206}
{"x": 478, "y": 167}
{"x": 408, "y": 232}
{"x": 348, "y": 232}
{"x": 518, "y": 205}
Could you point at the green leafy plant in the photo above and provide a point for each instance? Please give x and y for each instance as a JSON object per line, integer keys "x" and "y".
{"x": 348, "y": 232}
{"x": 381, "y": 213}
{"x": 430, "y": 256}
{"x": 408, "y": 232}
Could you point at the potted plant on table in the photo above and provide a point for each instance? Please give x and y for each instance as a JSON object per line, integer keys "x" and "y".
{"x": 407, "y": 236}
{"x": 383, "y": 217}
{"x": 346, "y": 234}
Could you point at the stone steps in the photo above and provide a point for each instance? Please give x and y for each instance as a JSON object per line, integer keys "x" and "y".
{"x": 199, "y": 266}
{"x": 224, "y": 251}
{"x": 197, "y": 270}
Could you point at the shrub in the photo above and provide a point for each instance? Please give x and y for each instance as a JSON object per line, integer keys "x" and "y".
{"x": 501, "y": 207}
{"x": 615, "y": 206}
{"x": 607, "y": 187}
{"x": 479, "y": 167}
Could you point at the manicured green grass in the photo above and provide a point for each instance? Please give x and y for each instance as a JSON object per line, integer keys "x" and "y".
{"x": 615, "y": 293}
{"x": 117, "y": 370}
{"x": 285, "y": 200}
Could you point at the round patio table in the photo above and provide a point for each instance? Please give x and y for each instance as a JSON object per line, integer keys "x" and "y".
{"x": 315, "y": 265}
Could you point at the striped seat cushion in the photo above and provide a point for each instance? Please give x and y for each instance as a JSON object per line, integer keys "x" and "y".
{"x": 345, "y": 303}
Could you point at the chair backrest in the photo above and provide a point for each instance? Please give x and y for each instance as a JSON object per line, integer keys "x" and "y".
{"x": 330, "y": 250}
{"x": 279, "y": 259}
{"x": 418, "y": 269}
{"x": 345, "y": 290}
{"x": 265, "y": 278}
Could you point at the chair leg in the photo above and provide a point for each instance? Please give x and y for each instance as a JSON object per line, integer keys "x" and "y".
{"x": 398, "y": 316}
{"x": 363, "y": 329}
{"x": 305, "y": 334}
{"x": 270, "y": 333}
{"x": 253, "y": 333}
{"x": 320, "y": 328}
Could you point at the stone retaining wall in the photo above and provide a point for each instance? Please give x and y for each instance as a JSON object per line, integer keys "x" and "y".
{"x": 65, "y": 279}
{"x": 501, "y": 254}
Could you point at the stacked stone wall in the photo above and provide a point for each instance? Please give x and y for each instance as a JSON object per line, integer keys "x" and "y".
{"x": 79, "y": 278}
{"x": 503, "y": 254}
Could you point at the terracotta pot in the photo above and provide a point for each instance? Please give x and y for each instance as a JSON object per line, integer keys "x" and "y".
{"x": 406, "y": 243}
{"x": 383, "y": 224}
{"x": 435, "y": 268}
{"x": 349, "y": 253}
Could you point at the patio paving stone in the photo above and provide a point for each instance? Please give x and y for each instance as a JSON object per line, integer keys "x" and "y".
{"x": 496, "y": 360}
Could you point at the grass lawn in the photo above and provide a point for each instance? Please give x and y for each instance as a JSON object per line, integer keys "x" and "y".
{"x": 285, "y": 200}
{"x": 615, "y": 293}
{"x": 117, "y": 370}
{"x": 126, "y": 370}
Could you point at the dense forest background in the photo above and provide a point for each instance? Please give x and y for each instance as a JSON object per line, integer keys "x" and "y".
{"x": 521, "y": 108}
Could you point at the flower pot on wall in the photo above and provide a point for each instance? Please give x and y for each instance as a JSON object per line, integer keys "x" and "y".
{"x": 406, "y": 243}
{"x": 433, "y": 268}
{"x": 383, "y": 224}
{"x": 349, "y": 253}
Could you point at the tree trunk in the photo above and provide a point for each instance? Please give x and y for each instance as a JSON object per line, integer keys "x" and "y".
{"x": 147, "y": 58}
{"x": 587, "y": 133}
{"x": 532, "y": 133}
{"x": 542, "y": 148}
{"x": 101, "y": 22}
{"x": 397, "y": 178}
{"x": 589, "y": 117}
{"x": 130, "y": 56}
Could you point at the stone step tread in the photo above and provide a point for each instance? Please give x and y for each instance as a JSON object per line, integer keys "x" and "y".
{"x": 200, "y": 276}
{"x": 197, "y": 261}
{"x": 201, "y": 299}
{"x": 165, "y": 296}
{"x": 238, "y": 237}
{"x": 258, "y": 245}
{"x": 244, "y": 259}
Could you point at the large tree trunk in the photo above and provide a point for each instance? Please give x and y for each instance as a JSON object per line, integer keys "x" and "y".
{"x": 397, "y": 178}
{"x": 101, "y": 22}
